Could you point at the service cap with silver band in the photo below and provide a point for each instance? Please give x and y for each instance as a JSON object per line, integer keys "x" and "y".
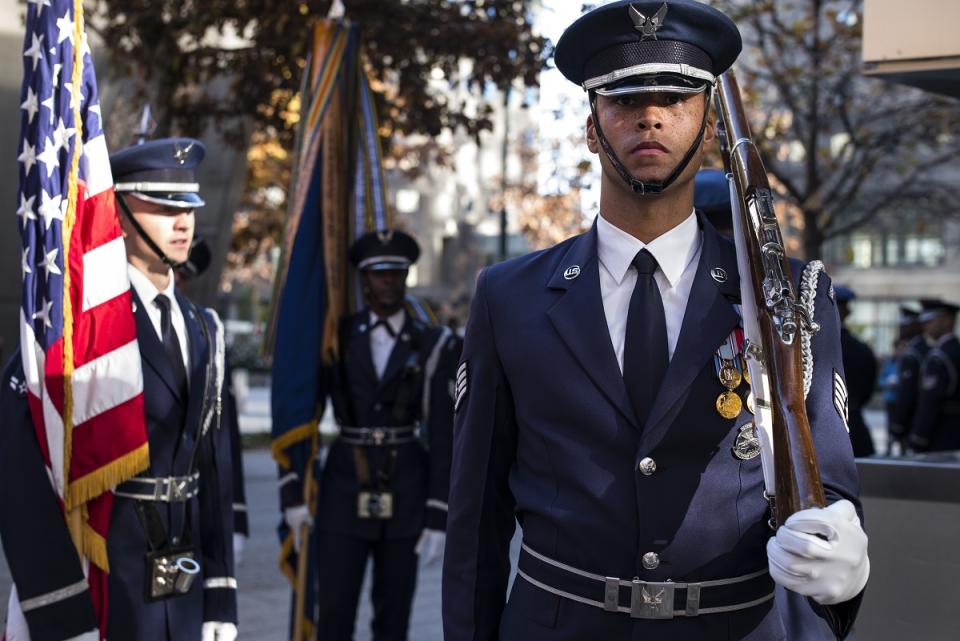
{"x": 648, "y": 47}
{"x": 638, "y": 47}
{"x": 387, "y": 249}
{"x": 160, "y": 171}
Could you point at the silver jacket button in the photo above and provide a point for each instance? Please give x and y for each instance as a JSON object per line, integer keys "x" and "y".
{"x": 647, "y": 466}
{"x": 651, "y": 561}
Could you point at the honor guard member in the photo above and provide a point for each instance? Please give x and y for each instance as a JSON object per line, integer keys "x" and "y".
{"x": 860, "y": 366}
{"x": 936, "y": 425}
{"x": 169, "y": 545}
{"x": 197, "y": 263}
{"x": 383, "y": 488}
{"x": 908, "y": 328}
{"x": 908, "y": 372}
{"x": 601, "y": 400}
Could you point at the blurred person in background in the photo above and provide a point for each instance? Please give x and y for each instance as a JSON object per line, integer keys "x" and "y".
{"x": 860, "y": 368}
{"x": 936, "y": 425}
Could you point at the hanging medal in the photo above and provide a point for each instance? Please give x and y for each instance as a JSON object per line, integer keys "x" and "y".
{"x": 730, "y": 372}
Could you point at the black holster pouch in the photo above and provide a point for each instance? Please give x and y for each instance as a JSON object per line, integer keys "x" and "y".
{"x": 170, "y": 568}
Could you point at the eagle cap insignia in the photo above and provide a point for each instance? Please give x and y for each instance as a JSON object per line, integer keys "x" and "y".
{"x": 648, "y": 27}
{"x": 385, "y": 236}
{"x": 181, "y": 154}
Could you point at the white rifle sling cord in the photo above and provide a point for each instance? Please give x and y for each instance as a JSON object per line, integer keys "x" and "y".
{"x": 219, "y": 367}
{"x": 429, "y": 370}
{"x": 808, "y": 299}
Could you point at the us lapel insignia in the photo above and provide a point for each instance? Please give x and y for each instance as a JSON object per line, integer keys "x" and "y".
{"x": 572, "y": 272}
{"x": 719, "y": 274}
{"x": 747, "y": 445}
{"x": 461, "y": 389}
{"x": 133, "y": 306}
{"x": 841, "y": 400}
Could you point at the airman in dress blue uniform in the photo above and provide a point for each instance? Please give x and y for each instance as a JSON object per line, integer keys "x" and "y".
{"x": 180, "y": 508}
{"x": 908, "y": 375}
{"x": 936, "y": 425}
{"x": 600, "y": 403}
{"x": 383, "y": 488}
{"x": 860, "y": 366}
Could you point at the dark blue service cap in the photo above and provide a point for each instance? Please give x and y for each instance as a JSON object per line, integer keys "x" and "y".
{"x": 635, "y": 47}
{"x": 711, "y": 191}
{"x": 908, "y": 315}
{"x": 384, "y": 249}
{"x": 934, "y": 308}
{"x": 160, "y": 171}
{"x": 844, "y": 294}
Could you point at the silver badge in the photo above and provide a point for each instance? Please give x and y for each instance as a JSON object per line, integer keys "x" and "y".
{"x": 572, "y": 272}
{"x": 648, "y": 27}
{"x": 719, "y": 274}
{"x": 461, "y": 390}
{"x": 747, "y": 445}
{"x": 181, "y": 154}
{"x": 385, "y": 236}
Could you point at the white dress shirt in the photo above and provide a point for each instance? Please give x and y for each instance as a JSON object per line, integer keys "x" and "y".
{"x": 381, "y": 342}
{"x": 148, "y": 294}
{"x": 677, "y": 253}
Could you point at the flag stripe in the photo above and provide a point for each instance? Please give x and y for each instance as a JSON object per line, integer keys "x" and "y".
{"x": 90, "y": 397}
{"x": 95, "y": 167}
{"x": 102, "y": 281}
{"x": 99, "y": 431}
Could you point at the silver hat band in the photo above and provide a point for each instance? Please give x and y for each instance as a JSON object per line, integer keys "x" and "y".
{"x": 176, "y": 204}
{"x": 402, "y": 261}
{"x": 170, "y": 188}
{"x": 625, "y": 90}
{"x": 648, "y": 69}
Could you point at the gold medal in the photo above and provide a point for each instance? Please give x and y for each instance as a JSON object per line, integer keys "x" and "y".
{"x": 746, "y": 370}
{"x": 730, "y": 376}
{"x": 751, "y": 404}
{"x": 729, "y": 405}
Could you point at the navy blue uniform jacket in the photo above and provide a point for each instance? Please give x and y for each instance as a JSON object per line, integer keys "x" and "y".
{"x": 545, "y": 434}
{"x": 42, "y": 557}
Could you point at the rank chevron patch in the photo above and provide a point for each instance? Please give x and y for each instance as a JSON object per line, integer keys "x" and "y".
{"x": 841, "y": 400}
{"x": 461, "y": 390}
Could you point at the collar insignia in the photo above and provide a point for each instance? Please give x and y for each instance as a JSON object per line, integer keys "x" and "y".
{"x": 648, "y": 27}
{"x": 572, "y": 272}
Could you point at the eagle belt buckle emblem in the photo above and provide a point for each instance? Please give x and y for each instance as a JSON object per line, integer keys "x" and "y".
{"x": 378, "y": 435}
{"x": 651, "y": 600}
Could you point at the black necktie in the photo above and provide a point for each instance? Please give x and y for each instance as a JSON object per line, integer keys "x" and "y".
{"x": 171, "y": 344}
{"x": 645, "y": 356}
{"x": 382, "y": 322}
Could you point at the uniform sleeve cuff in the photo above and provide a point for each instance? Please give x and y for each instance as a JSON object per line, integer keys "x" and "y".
{"x": 436, "y": 515}
{"x": 220, "y": 599}
{"x": 66, "y": 613}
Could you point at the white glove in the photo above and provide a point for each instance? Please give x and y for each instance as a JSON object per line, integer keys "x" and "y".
{"x": 238, "y": 542}
{"x": 430, "y": 545}
{"x": 296, "y": 517}
{"x": 218, "y": 631}
{"x": 821, "y": 553}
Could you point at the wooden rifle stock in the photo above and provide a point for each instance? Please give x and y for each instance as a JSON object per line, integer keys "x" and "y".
{"x": 781, "y": 318}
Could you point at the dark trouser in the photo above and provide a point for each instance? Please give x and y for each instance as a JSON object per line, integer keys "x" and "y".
{"x": 342, "y": 561}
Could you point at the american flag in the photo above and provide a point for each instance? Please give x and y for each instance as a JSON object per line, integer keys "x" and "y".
{"x": 78, "y": 335}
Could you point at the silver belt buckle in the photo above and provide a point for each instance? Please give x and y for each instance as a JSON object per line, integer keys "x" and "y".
{"x": 651, "y": 600}
{"x": 379, "y": 435}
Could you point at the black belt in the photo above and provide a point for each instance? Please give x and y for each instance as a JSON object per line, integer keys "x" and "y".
{"x": 645, "y": 599}
{"x": 378, "y": 436}
{"x": 170, "y": 489}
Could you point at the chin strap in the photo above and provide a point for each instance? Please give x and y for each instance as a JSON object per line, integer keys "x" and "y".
{"x": 143, "y": 234}
{"x": 638, "y": 186}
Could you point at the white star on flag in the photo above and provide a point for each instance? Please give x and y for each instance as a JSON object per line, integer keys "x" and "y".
{"x": 65, "y": 28}
{"x": 50, "y": 208}
{"x": 50, "y": 156}
{"x": 44, "y": 313}
{"x": 40, "y": 4}
{"x": 30, "y": 105}
{"x": 62, "y": 136}
{"x": 48, "y": 103}
{"x": 25, "y": 211}
{"x": 24, "y": 263}
{"x": 55, "y": 79}
{"x": 50, "y": 263}
{"x": 34, "y": 50}
{"x": 28, "y": 157}
{"x": 69, "y": 87}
